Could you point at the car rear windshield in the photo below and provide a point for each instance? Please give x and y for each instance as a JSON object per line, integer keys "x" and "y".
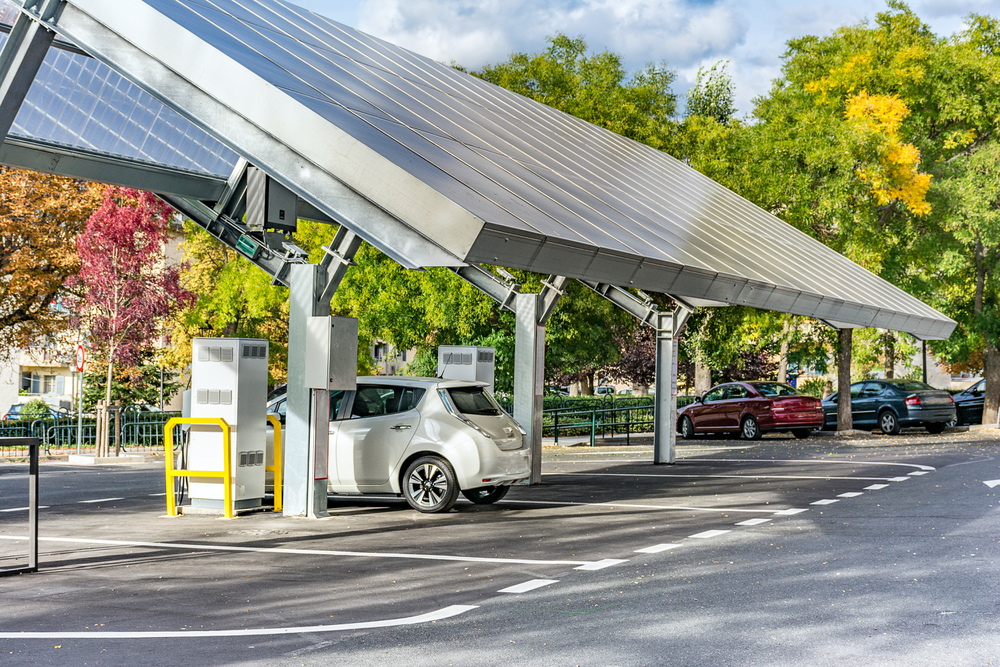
{"x": 473, "y": 401}
{"x": 775, "y": 389}
{"x": 911, "y": 385}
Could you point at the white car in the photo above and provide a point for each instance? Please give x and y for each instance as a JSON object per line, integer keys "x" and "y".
{"x": 423, "y": 438}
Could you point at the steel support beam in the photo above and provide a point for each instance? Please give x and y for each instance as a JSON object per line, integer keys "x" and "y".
{"x": 339, "y": 257}
{"x": 504, "y": 292}
{"x": 644, "y": 311}
{"x": 23, "y": 53}
{"x": 668, "y": 326}
{"x": 532, "y": 312}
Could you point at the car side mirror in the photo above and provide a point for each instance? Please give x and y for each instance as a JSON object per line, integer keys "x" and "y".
{"x": 699, "y": 399}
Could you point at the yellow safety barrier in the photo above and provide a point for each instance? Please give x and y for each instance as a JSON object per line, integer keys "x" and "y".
{"x": 276, "y": 468}
{"x": 226, "y": 473}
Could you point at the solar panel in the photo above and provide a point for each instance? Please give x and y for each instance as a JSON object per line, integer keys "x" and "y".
{"x": 478, "y": 172}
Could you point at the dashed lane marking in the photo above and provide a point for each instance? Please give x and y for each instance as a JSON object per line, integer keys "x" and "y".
{"x": 917, "y": 473}
{"x": 897, "y": 479}
{"x": 850, "y": 494}
{"x": 446, "y": 612}
{"x": 309, "y": 552}
{"x": 24, "y": 509}
{"x": 709, "y": 533}
{"x": 634, "y": 505}
{"x": 790, "y": 512}
{"x": 708, "y": 476}
{"x": 156, "y": 495}
{"x": 528, "y": 586}
{"x": 752, "y": 522}
{"x": 818, "y": 461}
{"x": 876, "y": 487}
{"x": 657, "y": 548}
{"x": 825, "y": 501}
{"x": 601, "y": 564}
{"x": 100, "y": 500}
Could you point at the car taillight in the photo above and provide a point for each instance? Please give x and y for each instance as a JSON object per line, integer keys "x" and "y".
{"x": 912, "y": 400}
{"x": 951, "y": 399}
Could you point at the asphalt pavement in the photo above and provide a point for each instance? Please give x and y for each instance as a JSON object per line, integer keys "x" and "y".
{"x": 874, "y": 549}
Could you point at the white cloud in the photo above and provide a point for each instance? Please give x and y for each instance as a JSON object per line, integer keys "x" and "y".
{"x": 477, "y": 33}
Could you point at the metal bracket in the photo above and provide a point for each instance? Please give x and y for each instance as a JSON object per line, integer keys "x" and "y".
{"x": 504, "y": 292}
{"x": 553, "y": 288}
{"x": 23, "y": 53}
{"x": 338, "y": 259}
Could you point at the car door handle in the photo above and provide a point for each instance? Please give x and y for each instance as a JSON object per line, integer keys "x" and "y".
{"x": 400, "y": 427}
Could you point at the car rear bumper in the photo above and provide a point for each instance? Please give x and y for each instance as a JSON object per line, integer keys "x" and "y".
{"x": 928, "y": 415}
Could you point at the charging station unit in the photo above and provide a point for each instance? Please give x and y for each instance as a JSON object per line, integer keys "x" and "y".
{"x": 228, "y": 380}
{"x": 467, "y": 362}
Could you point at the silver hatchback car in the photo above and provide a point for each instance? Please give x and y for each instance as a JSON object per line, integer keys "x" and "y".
{"x": 426, "y": 439}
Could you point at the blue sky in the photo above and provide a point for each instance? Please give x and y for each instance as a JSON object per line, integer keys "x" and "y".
{"x": 686, "y": 33}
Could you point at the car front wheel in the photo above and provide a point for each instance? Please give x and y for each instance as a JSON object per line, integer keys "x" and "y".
{"x": 486, "y": 495}
{"x": 429, "y": 485}
{"x": 888, "y": 423}
{"x": 750, "y": 429}
{"x": 687, "y": 428}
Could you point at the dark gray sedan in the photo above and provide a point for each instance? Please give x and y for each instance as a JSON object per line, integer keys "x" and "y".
{"x": 969, "y": 404}
{"x": 893, "y": 404}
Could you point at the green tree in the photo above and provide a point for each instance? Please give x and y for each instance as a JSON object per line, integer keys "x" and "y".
{"x": 712, "y": 94}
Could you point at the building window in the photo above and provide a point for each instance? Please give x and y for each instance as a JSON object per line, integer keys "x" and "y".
{"x": 25, "y": 381}
{"x": 49, "y": 384}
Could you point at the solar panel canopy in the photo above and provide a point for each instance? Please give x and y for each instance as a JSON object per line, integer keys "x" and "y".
{"x": 461, "y": 171}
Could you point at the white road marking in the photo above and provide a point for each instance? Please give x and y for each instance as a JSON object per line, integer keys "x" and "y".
{"x": 657, "y": 548}
{"x": 897, "y": 479}
{"x": 651, "y": 507}
{"x": 917, "y": 473}
{"x": 992, "y": 483}
{"x": 528, "y": 586}
{"x": 820, "y": 461}
{"x": 24, "y": 509}
{"x": 876, "y": 487}
{"x": 752, "y": 522}
{"x": 100, "y": 500}
{"x": 309, "y": 552}
{"x": 707, "y": 476}
{"x": 446, "y": 612}
{"x": 709, "y": 533}
{"x": 155, "y": 495}
{"x": 601, "y": 564}
{"x": 790, "y": 512}
{"x": 825, "y": 501}
{"x": 850, "y": 494}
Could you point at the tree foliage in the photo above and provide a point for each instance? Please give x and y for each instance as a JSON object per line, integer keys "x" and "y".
{"x": 712, "y": 94}
{"x": 40, "y": 218}
{"x": 127, "y": 290}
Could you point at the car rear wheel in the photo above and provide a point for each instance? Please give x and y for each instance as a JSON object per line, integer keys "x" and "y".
{"x": 951, "y": 424}
{"x": 888, "y": 423}
{"x": 750, "y": 429}
{"x": 935, "y": 427}
{"x": 687, "y": 428}
{"x": 486, "y": 495}
{"x": 429, "y": 485}
{"x": 802, "y": 433}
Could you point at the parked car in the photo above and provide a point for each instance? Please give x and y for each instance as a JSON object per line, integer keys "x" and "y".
{"x": 892, "y": 404}
{"x": 426, "y": 439}
{"x": 969, "y": 405}
{"x": 15, "y": 412}
{"x": 751, "y": 409}
{"x": 603, "y": 390}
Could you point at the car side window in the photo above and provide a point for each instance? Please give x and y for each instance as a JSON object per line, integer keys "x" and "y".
{"x": 279, "y": 409}
{"x": 856, "y": 389}
{"x": 372, "y": 400}
{"x": 715, "y": 394}
{"x": 872, "y": 390}
{"x": 336, "y": 398}
{"x": 737, "y": 391}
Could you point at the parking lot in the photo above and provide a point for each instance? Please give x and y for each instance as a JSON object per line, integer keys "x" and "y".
{"x": 118, "y": 579}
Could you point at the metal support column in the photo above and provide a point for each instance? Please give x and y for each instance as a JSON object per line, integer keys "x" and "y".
{"x": 532, "y": 313}
{"x": 302, "y": 495}
{"x": 668, "y": 325}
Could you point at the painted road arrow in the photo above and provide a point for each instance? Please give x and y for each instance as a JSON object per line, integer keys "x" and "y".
{"x": 991, "y": 483}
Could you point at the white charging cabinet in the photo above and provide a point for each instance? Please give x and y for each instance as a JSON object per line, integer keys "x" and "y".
{"x": 228, "y": 380}
{"x": 467, "y": 362}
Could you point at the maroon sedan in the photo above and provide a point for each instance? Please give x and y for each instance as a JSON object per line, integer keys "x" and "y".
{"x": 751, "y": 409}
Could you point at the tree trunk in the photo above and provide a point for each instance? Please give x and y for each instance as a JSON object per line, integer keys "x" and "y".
{"x": 845, "y": 338}
{"x": 107, "y": 393}
{"x": 587, "y": 385}
{"x": 783, "y": 354}
{"x": 889, "y": 354}
{"x": 992, "y": 376}
{"x": 702, "y": 377}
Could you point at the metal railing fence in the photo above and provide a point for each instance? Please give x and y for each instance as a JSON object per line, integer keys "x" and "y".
{"x": 139, "y": 430}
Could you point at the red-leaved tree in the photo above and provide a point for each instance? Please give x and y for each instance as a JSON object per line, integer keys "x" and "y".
{"x": 126, "y": 289}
